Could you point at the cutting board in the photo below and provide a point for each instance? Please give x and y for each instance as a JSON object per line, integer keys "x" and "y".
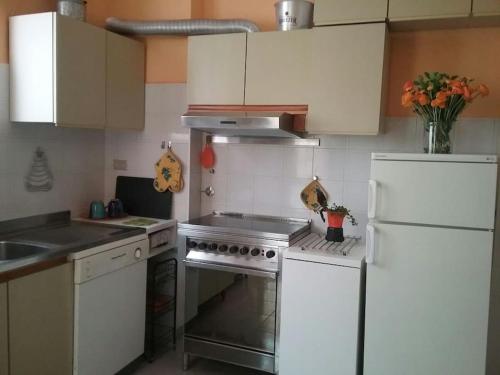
{"x": 140, "y": 198}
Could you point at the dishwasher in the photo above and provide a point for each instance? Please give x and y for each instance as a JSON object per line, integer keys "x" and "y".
{"x": 110, "y": 301}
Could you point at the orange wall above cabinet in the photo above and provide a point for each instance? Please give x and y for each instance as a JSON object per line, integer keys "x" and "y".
{"x": 472, "y": 53}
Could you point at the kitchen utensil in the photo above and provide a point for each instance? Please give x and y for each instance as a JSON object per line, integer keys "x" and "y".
{"x": 115, "y": 208}
{"x": 140, "y": 198}
{"x": 97, "y": 210}
{"x": 311, "y": 194}
{"x": 294, "y": 14}
{"x": 207, "y": 156}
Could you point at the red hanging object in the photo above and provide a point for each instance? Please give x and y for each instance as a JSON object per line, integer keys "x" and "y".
{"x": 207, "y": 156}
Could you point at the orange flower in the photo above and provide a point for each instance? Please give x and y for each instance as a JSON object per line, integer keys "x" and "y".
{"x": 407, "y": 99}
{"x": 408, "y": 86}
{"x": 457, "y": 90}
{"x": 437, "y": 103}
{"x": 423, "y": 99}
{"x": 467, "y": 93}
{"x": 483, "y": 90}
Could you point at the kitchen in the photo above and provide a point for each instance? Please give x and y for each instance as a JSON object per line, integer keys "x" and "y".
{"x": 261, "y": 179}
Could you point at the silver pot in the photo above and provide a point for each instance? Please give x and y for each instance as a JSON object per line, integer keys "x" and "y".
{"x": 294, "y": 14}
{"x": 72, "y": 8}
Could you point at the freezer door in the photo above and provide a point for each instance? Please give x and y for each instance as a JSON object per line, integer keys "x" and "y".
{"x": 434, "y": 193}
{"x": 427, "y": 301}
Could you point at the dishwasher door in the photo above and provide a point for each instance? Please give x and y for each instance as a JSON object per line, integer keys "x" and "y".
{"x": 110, "y": 311}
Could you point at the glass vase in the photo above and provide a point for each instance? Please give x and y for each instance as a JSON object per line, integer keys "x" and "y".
{"x": 438, "y": 137}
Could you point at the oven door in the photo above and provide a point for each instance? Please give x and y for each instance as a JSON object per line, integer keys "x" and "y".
{"x": 231, "y": 306}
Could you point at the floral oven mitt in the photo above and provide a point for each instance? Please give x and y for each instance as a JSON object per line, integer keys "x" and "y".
{"x": 168, "y": 173}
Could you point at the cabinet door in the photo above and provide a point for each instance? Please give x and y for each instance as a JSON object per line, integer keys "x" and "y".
{"x": 41, "y": 322}
{"x": 216, "y": 69}
{"x": 330, "y": 12}
{"x": 485, "y": 7}
{"x": 4, "y": 333}
{"x": 81, "y": 74}
{"x": 428, "y": 9}
{"x": 347, "y": 76}
{"x": 124, "y": 83}
{"x": 278, "y": 66}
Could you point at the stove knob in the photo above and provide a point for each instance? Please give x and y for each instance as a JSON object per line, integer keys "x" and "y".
{"x": 213, "y": 246}
{"x": 223, "y": 248}
{"x": 270, "y": 254}
{"x": 244, "y": 250}
{"x": 192, "y": 244}
{"x": 255, "y": 252}
{"x": 202, "y": 246}
{"x": 233, "y": 249}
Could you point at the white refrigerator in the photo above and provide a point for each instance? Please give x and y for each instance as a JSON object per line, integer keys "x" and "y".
{"x": 431, "y": 285}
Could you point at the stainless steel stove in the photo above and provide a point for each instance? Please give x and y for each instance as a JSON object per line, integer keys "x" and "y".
{"x": 233, "y": 286}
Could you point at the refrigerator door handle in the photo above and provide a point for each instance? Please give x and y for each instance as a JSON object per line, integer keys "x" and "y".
{"x": 370, "y": 244}
{"x": 372, "y": 199}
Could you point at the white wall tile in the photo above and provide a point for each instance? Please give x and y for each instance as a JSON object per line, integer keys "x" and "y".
{"x": 240, "y": 193}
{"x": 292, "y": 187}
{"x": 268, "y": 160}
{"x": 475, "y": 136}
{"x": 241, "y": 159}
{"x": 357, "y": 166}
{"x": 329, "y": 163}
{"x": 298, "y": 162}
{"x": 268, "y": 193}
{"x": 356, "y": 196}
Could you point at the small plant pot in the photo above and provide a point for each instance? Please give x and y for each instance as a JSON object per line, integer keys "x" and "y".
{"x": 335, "y": 231}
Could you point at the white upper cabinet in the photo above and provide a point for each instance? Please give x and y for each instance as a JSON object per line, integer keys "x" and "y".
{"x": 401, "y": 10}
{"x": 58, "y": 71}
{"x": 216, "y": 69}
{"x": 278, "y": 67}
{"x": 348, "y": 66}
{"x": 486, "y": 7}
{"x": 124, "y": 83}
{"x": 331, "y": 12}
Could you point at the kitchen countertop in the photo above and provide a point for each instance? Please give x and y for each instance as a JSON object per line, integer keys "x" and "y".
{"x": 59, "y": 236}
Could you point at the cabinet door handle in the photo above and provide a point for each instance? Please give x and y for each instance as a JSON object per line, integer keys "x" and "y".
{"x": 370, "y": 244}
{"x": 372, "y": 198}
{"x": 118, "y": 256}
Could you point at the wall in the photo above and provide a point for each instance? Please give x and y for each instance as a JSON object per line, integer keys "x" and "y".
{"x": 75, "y": 159}
{"x": 165, "y": 104}
{"x": 268, "y": 179}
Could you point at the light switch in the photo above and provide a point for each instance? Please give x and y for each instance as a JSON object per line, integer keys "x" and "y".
{"x": 119, "y": 165}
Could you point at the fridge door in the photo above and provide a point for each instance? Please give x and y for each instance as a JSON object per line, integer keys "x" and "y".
{"x": 453, "y": 194}
{"x": 427, "y": 301}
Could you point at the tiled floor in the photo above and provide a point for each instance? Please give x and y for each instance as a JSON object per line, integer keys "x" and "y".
{"x": 171, "y": 364}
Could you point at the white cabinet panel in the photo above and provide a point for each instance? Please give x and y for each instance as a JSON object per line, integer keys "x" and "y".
{"x": 428, "y": 9}
{"x": 278, "y": 68}
{"x": 418, "y": 192}
{"x": 331, "y": 12}
{"x": 216, "y": 69}
{"x": 125, "y": 86}
{"x": 319, "y": 319}
{"x": 347, "y": 79}
{"x": 485, "y": 7}
{"x": 427, "y": 301}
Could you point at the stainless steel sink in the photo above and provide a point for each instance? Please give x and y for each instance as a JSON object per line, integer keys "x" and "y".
{"x": 10, "y": 250}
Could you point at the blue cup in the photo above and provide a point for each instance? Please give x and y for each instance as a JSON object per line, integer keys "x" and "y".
{"x": 97, "y": 210}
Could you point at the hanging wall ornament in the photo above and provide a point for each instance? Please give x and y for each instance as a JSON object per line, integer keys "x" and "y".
{"x": 40, "y": 177}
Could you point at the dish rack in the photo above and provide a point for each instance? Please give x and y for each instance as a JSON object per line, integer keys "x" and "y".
{"x": 161, "y": 307}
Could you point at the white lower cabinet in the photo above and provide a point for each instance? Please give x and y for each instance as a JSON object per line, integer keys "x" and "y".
{"x": 4, "y": 332}
{"x": 41, "y": 322}
{"x": 320, "y": 309}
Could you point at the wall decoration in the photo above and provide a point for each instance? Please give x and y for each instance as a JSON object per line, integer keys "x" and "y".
{"x": 39, "y": 178}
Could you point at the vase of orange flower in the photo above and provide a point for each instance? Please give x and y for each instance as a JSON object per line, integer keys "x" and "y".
{"x": 438, "y": 99}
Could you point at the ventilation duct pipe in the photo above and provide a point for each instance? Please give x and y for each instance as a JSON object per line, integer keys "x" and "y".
{"x": 180, "y": 27}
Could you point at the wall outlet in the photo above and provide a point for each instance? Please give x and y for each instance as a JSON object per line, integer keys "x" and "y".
{"x": 119, "y": 165}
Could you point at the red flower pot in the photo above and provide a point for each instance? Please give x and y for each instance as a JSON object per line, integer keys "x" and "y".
{"x": 335, "y": 219}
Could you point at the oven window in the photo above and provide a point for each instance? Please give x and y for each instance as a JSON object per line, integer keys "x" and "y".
{"x": 231, "y": 308}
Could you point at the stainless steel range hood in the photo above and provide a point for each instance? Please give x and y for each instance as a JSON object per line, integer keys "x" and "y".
{"x": 242, "y": 124}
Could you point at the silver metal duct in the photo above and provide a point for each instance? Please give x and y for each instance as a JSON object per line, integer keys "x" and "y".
{"x": 180, "y": 27}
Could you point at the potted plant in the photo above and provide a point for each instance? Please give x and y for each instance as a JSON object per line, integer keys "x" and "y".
{"x": 438, "y": 99}
{"x": 336, "y": 215}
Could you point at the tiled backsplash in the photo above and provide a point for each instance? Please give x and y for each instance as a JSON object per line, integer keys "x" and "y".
{"x": 266, "y": 179}
{"x": 75, "y": 159}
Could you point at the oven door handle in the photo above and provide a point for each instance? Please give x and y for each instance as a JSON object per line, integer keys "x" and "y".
{"x": 219, "y": 267}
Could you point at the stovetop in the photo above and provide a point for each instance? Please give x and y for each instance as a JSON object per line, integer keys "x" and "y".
{"x": 265, "y": 227}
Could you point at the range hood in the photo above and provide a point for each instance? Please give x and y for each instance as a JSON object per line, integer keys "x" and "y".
{"x": 278, "y": 124}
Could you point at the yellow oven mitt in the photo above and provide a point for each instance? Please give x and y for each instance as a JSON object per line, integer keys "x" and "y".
{"x": 168, "y": 173}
